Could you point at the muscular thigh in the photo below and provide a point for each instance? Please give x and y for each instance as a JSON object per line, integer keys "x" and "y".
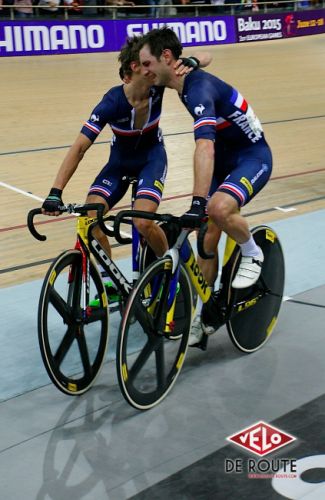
{"x": 109, "y": 183}
{"x": 152, "y": 176}
{"x": 245, "y": 173}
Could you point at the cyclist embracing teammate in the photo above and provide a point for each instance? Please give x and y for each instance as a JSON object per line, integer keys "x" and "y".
{"x": 132, "y": 110}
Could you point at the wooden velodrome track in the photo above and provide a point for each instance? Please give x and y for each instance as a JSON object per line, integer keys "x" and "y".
{"x": 44, "y": 101}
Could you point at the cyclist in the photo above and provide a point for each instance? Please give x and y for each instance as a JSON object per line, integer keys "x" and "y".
{"x": 133, "y": 111}
{"x": 232, "y": 160}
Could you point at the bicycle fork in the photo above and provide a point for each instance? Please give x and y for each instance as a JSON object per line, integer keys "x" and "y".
{"x": 164, "y": 291}
{"x": 85, "y": 281}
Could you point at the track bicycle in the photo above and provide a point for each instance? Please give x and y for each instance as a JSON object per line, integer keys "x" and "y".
{"x": 72, "y": 330}
{"x": 148, "y": 359}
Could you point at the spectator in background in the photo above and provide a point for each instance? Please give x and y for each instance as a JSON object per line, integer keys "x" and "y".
{"x": 120, "y": 3}
{"x": 49, "y": 8}
{"x": 75, "y": 6}
{"x": 167, "y": 11}
{"x": 23, "y": 9}
{"x": 153, "y": 12}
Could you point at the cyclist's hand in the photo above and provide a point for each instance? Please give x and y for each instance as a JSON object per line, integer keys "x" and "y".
{"x": 53, "y": 202}
{"x": 196, "y": 214}
{"x": 185, "y": 65}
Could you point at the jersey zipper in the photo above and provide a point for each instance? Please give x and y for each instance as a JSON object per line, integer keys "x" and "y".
{"x": 144, "y": 126}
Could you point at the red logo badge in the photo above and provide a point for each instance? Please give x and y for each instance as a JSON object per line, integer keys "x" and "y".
{"x": 261, "y": 438}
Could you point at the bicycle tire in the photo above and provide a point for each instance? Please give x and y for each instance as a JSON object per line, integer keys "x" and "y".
{"x": 250, "y": 329}
{"x": 148, "y": 362}
{"x": 73, "y": 349}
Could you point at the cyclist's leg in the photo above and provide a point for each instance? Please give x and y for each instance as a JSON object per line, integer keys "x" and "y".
{"x": 151, "y": 232}
{"x": 238, "y": 178}
{"x": 252, "y": 169}
{"x": 209, "y": 267}
{"x": 108, "y": 188}
{"x": 97, "y": 232}
{"x": 151, "y": 181}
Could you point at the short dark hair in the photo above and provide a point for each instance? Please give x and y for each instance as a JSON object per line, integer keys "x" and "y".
{"x": 160, "y": 39}
{"x": 129, "y": 53}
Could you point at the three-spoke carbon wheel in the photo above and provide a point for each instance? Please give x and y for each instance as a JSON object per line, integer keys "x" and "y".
{"x": 73, "y": 345}
{"x": 253, "y": 325}
{"x": 149, "y": 360}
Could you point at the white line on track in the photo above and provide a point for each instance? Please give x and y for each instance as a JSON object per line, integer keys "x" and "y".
{"x": 289, "y": 209}
{"x": 17, "y": 190}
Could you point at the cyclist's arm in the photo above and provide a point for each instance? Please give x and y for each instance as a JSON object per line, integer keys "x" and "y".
{"x": 200, "y": 103}
{"x": 100, "y": 116}
{"x": 203, "y": 167}
{"x": 71, "y": 161}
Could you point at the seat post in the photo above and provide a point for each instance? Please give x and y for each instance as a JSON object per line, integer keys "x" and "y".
{"x": 134, "y": 184}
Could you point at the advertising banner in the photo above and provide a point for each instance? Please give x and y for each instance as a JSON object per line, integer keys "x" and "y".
{"x": 279, "y": 25}
{"x": 212, "y": 30}
{"x": 24, "y": 38}
{"x": 31, "y": 38}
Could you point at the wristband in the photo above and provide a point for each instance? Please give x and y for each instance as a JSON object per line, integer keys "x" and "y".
{"x": 190, "y": 62}
{"x": 199, "y": 201}
{"x": 56, "y": 193}
{"x": 196, "y": 61}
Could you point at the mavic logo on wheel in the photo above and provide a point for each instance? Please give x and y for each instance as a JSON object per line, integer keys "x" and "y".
{"x": 261, "y": 438}
{"x": 247, "y": 304}
{"x": 52, "y": 277}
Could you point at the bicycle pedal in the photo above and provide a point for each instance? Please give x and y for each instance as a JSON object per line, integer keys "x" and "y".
{"x": 113, "y": 299}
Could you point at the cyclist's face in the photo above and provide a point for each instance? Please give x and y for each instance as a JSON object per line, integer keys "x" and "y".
{"x": 140, "y": 70}
{"x": 153, "y": 66}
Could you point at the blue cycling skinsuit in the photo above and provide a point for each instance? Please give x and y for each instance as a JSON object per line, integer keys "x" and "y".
{"x": 243, "y": 159}
{"x": 134, "y": 152}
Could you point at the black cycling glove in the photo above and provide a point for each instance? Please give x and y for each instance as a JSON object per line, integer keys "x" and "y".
{"x": 196, "y": 213}
{"x": 54, "y": 201}
{"x": 191, "y": 62}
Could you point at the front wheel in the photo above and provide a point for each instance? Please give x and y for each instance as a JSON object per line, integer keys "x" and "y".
{"x": 73, "y": 342}
{"x": 149, "y": 360}
{"x": 250, "y": 328}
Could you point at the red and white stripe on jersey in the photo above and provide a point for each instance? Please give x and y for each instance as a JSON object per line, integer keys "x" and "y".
{"x": 208, "y": 120}
{"x": 238, "y": 101}
{"x": 94, "y": 128}
{"x": 222, "y": 123}
{"x": 149, "y": 126}
{"x": 229, "y": 186}
{"x": 149, "y": 192}
{"x": 99, "y": 189}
